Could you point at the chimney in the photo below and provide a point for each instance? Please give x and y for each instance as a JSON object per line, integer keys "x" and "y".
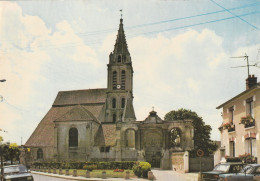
{"x": 251, "y": 81}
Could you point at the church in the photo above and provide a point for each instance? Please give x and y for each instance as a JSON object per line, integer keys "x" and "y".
{"x": 100, "y": 124}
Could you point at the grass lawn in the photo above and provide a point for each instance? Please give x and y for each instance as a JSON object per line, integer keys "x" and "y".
{"x": 98, "y": 173}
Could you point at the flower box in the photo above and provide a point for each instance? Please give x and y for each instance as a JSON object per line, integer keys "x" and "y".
{"x": 248, "y": 121}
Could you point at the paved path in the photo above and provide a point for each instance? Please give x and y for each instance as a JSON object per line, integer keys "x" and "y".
{"x": 40, "y": 176}
{"x": 169, "y": 175}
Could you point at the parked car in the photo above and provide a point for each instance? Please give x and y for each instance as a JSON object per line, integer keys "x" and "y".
{"x": 222, "y": 168}
{"x": 17, "y": 172}
{"x": 246, "y": 174}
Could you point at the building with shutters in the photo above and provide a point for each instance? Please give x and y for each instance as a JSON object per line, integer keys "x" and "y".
{"x": 100, "y": 124}
{"x": 241, "y": 122}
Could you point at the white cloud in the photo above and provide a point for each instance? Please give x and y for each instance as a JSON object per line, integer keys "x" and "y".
{"x": 27, "y": 48}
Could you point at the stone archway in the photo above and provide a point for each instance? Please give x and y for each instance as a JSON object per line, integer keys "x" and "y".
{"x": 153, "y": 146}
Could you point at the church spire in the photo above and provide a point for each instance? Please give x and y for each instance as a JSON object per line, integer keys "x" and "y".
{"x": 120, "y": 48}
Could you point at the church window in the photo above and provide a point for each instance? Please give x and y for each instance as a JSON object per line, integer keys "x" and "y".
{"x": 104, "y": 149}
{"x": 130, "y": 138}
{"x": 107, "y": 149}
{"x": 73, "y": 137}
{"x": 123, "y": 79}
{"x": 119, "y": 59}
{"x": 114, "y": 81}
{"x": 39, "y": 154}
{"x": 114, "y": 117}
{"x": 123, "y": 103}
{"x": 175, "y": 137}
{"x": 114, "y": 103}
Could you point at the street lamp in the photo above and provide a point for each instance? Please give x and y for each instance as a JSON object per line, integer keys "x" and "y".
{"x": 1, "y": 150}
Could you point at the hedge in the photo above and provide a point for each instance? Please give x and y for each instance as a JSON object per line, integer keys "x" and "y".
{"x": 81, "y": 165}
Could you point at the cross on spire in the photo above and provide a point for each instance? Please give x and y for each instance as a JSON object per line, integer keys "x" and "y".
{"x": 121, "y": 13}
{"x": 153, "y": 108}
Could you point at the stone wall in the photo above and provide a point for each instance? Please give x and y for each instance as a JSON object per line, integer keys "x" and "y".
{"x": 178, "y": 161}
{"x": 207, "y": 164}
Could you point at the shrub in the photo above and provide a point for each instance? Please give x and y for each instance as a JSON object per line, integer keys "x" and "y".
{"x": 141, "y": 169}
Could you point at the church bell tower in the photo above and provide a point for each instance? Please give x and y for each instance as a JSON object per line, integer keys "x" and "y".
{"x": 119, "y": 103}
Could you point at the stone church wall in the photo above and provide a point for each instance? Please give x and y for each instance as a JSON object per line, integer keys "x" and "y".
{"x": 86, "y": 134}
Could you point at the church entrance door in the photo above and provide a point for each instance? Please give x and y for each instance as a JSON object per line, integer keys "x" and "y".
{"x": 154, "y": 158}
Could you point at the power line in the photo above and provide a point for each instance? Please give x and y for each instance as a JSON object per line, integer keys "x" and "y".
{"x": 196, "y": 24}
{"x": 158, "y": 31}
{"x": 159, "y": 22}
{"x": 234, "y": 14}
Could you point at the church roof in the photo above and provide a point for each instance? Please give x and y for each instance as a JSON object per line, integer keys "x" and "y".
{"x": 88, "y": 96}
{"x": 77, "y": 113}
{"x": 68, "y": 105}
{"x": 106, "y": 135}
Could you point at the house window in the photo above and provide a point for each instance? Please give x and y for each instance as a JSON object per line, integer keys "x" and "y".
{"x": 249, "y": 107}
{"x": 231, "y": 114}
{"x": 232, "y": 148}
{"x": 39, "y": 154}
{"x": 114, "y": 103}
{"x": 114, "y": 117}
{"x": 123, "y": 79}
{"x": 73, "y": 137}
{"x": 104, "y": 149}
{"x": 114, "y": 80}
{"x": 123, "y": 103}
{"x": 130, "y": 138}
{"x": 250, "y": 146}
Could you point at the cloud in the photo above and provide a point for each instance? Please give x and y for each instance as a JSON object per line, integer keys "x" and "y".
{"x": 29, "y": 48}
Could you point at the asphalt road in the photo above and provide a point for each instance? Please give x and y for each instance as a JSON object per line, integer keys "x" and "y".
{"x": 46, "y": 178}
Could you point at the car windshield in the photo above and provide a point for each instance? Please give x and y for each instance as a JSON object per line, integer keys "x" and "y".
{"x": 221, "y": 167}
{"x": 248, "y": 169}
{"x": 15, "y": 169}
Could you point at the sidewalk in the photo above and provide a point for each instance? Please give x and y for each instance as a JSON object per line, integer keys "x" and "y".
{"x": 169, "y": 175}
{"x": 70, "y": 177}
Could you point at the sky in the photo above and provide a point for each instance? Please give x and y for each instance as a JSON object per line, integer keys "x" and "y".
{"x": 181, "y": 53}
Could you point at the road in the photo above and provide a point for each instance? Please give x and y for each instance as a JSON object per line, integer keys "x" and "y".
{"x": 46, "y": 178}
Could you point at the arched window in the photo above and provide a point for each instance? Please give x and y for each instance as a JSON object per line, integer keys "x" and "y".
{"x": 114, "y": 103}
{"x": 123, "y": 103}
{"x": 73, "y": 137}
{"x": 119, "y": 59}
{"x": 114, "y": 117}
{"x": 175, "y": 137}
{"x": 114, "y": 79}
{"x": 130, "y": 138}
{"x": 123, "y": 79}
{"x": 39, "y": 154}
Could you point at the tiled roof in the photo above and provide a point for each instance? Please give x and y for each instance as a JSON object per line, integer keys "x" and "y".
{"x": 88, "y": 96}
{"x": 43, "y": 135}
{"x": 77, "y": 113}
{"x": 106, "y": 135}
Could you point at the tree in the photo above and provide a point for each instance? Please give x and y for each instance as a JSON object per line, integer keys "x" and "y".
{"x": 11, "y": 152}
{"x": 201, "y": 131}
{"x": 1, "y": 139}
